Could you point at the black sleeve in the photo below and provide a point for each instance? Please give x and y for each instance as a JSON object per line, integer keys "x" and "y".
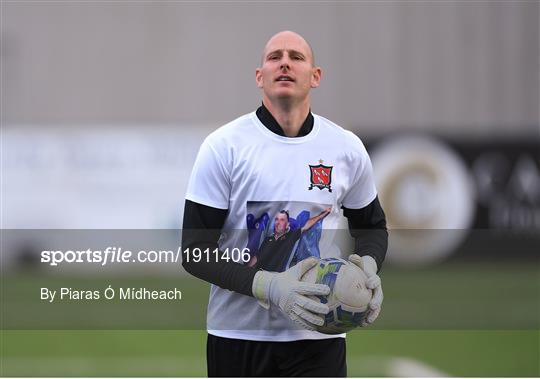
{"x": 201, "y": 229}
{"x": 368, "y": 227}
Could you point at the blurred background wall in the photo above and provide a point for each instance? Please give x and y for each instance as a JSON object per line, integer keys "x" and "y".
{"x": 446, "y": 67}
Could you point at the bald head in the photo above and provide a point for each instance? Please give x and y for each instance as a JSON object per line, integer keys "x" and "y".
{"x": 288, "y": 72}
{"x": 288, "y": 40}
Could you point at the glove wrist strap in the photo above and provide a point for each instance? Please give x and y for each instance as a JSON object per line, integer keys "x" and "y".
{"x": 261, "y": 287}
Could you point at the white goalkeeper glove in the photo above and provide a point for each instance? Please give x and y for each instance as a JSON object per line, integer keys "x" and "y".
{"x": 369, "y": 266}
{"x": 285, "y": 290}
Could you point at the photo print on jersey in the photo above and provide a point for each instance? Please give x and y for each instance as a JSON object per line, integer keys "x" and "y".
{"x": 282, "y": 233}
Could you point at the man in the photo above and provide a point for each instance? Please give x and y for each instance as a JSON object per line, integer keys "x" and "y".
{"x": 262, "y": 323}
{"x": 277, "y": 249}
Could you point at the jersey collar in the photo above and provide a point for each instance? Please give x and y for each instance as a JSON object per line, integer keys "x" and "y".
{"x": 266, "y": 118}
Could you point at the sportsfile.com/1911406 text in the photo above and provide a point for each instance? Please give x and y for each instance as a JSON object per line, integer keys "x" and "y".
{"x": 118, "y": 255}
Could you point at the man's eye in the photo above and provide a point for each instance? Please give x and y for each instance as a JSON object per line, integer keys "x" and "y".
{"x": 298, "y": 58}
{"x": 273, "y": 58}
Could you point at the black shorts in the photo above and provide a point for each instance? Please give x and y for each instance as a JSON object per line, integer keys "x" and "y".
{"x": 242, "y": 358}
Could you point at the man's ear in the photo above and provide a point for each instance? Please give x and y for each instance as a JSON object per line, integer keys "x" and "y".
{"x": 316, "y": 77}
{"x": 258, "y": 77}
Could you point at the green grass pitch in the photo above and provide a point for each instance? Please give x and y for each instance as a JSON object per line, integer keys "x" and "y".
{"x": 182, "y": 353}
{"x": 406, "y": 341}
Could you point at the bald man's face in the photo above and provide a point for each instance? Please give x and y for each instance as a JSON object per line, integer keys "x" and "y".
{"x": 281, "y": 223}
{"x": 287, "y": 70}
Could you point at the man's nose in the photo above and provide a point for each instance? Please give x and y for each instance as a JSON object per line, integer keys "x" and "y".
{"x": 285, "y": 63}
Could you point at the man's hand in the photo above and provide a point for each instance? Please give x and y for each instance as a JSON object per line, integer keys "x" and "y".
{"x": 285, "y": 290}
{"x": 369, "y": 266}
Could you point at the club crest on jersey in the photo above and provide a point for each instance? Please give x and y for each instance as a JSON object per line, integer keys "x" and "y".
{"x": 321, "y": 176}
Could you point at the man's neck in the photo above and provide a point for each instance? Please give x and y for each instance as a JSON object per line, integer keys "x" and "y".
{"x": 289, "y": 117}
{"x": 277, "y": 235}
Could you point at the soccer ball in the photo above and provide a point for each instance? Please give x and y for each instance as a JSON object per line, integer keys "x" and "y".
{"x": 348, "y": 298}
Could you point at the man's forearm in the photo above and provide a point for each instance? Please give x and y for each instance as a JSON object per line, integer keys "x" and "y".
{"x": 201, "y": 229}
{"x": 229, "y": 275}
{"x": 372, "y": 242}
{"x": 312, "y": 221}
{"x": 368, "y": 227}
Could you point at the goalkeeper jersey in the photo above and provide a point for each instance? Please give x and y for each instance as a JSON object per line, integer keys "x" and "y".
{"x": 256, "y": 174}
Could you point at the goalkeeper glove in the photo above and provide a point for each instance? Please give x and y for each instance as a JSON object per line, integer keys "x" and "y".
{"x": 369, "y": 266}
{"x": 285, "y": 290}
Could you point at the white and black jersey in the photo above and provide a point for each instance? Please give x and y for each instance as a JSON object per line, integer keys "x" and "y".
{"x": 245, "y": 175}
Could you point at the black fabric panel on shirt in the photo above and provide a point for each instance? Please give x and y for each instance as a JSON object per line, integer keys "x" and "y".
{"x": 368, "y": 227}
{"x": 201, "y": 229}
{"x": 264, "y": 115}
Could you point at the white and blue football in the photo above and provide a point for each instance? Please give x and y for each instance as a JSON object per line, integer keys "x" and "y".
{"x": 348, "y": 298}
